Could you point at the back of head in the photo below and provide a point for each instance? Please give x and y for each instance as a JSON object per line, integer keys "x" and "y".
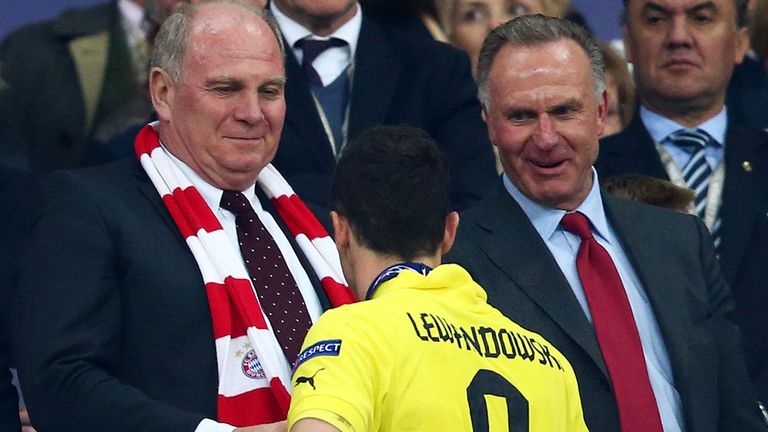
{"x": 650, "y": 190}
{"x": 535, "y": 30}
{"x": 392, "y": 185}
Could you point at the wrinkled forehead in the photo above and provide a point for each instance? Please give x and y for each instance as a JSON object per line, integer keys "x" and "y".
{"x": 220, "y": 28}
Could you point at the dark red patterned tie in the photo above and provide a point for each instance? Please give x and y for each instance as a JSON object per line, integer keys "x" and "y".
{"x": 279, "y": 296}
{"x": 616, "y": 330}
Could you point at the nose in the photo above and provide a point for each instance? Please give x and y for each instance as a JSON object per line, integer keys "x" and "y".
{"x": 678, "y": 33}
{"x": 546, "y": 136}
{"x": 249, "y": 110}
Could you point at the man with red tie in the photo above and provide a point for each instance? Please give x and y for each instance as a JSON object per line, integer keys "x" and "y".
{"x": 631, "y": 294}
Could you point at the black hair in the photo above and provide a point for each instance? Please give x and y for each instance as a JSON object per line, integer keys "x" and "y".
{"x": 392, "y": 185}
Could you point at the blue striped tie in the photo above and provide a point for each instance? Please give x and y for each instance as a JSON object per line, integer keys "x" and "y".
{"x": 697, "y": 171}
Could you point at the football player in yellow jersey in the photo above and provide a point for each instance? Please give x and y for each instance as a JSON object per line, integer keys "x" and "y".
{"x": 425, "y": 352}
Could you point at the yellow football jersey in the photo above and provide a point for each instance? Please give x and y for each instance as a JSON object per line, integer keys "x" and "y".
{"x": 428, "y": 353}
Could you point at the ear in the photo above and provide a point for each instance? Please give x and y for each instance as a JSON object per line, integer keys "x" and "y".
{"x": 161, "y": 89}
{"x": 451, "y": 225}
{"x": 341, "y": 231}
{"x": 602, "y": 112}
{"x": 742, "y": 45}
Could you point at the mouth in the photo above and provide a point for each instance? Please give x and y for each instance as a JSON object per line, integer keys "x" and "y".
{"x": 680, "y": 64}
{"x": 548, "y": 167}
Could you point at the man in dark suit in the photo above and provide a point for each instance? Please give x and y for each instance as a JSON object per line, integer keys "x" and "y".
{"x": 17, "y": 200}
{"x": 682, "y": 67}
{"x": 629, "y": 293}
{"x": 67, "y": 78}
{"x": 125, "y": 305}
{"x": 367, "y": 77}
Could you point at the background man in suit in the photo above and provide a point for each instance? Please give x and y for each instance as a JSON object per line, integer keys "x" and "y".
{"x": 131, "y": 306}
{"x": 363, "y": 77}
{"x": 683, "y": 54}
{"x": 79, "y": 76}
{"x": 631, "y": 294}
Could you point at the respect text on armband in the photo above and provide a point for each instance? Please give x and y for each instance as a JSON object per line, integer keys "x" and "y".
{"x": 485, "y": 341}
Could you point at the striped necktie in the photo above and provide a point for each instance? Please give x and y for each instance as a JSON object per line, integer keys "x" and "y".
{"x": 697, "y": 171}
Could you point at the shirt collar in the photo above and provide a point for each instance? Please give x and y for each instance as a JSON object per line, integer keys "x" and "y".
{"x": 546, "y": 220}
{"x": 293, "y": 31}
{"x": 660, "y": 127}
{"x": 210, "y": 193}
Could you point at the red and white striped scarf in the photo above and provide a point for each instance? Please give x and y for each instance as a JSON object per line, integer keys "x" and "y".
{"x": 254, "y": 378}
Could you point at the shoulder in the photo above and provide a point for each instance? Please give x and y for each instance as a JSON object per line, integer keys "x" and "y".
{"x": 70, "y": 24}
{"x": 427, "y": 53}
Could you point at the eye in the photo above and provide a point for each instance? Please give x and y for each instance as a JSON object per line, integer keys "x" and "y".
{"x": 519, "y": 10}
{"x": 271, "y": 92}
{"x": 475, "y": 15}
{"x": 520, "y": 116}
{"x": 654, "y": 17}
{"x": 563, "y": 111}
{"x": 223, "y": 90}
{"x": 703, "y": 16}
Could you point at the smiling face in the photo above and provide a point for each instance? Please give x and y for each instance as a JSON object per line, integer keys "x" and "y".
{"x": 683, "y": 53}
{"x": 545, "y": 120}
{"x": 225, "y": 116}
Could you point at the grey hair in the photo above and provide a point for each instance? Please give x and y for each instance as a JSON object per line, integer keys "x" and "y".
{"x": 535, "y": 30}
{"x": 170, "y": 46}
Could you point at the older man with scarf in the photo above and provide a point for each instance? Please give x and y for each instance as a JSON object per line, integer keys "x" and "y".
{"x": 173, "y": 291}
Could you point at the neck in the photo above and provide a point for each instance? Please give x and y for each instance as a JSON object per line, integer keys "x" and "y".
{"x": 370, "y": 264}
{"x": 689, "y": 114}
{"x": 324, "y": 25}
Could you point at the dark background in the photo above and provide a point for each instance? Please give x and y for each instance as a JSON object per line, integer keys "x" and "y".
{"x": 602, "y": 15}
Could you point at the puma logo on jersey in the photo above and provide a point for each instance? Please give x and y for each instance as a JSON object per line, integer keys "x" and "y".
{"x": 310, "y": 380}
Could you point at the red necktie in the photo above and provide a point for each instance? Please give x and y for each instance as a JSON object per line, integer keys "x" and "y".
{"x": 616, "y": 331}
{"x": 279, "y": 296}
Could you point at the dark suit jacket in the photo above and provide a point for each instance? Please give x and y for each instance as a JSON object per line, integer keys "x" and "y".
{"x": 744, "y": 230}
{"x": 64, "y": 77}
{"x": 17, "y": 197}
{"x": 747, "y": 94}
{"x": 675, "y": 261}
{"x": 122, "y": 338}
{"x": 396, "y": 80}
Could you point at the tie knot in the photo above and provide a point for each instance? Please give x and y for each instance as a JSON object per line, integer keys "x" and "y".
{"x": 311, "y": 48}
{"x": 235, "y": 202}
{"x": 691, "y": 139}
{"x": 578, "y": 224}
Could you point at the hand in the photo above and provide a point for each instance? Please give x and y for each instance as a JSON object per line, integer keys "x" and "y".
{"x": 26, "y": 426}
{"x": 280, "y": 426}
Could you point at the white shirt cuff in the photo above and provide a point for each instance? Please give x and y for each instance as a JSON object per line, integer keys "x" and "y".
{"x": 208, "y": 425}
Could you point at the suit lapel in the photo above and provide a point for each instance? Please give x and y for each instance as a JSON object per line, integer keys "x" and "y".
{"x": 641, "y": 247}
{"x": 746, "y": 185}
{"x": 301, "y": 115}
{"x": 514, "y": 245}
{"x": 631, "y": 151}
{"x": 376, "y": 72}
{"x": 147, "y": 189}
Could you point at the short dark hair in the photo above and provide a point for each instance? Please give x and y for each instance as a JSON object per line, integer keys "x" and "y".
{"x": 535, "y": 30}
{"x": 742, "y": 15}
{"x": 650, "y": 190}
{"x": 392, "y": 185}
